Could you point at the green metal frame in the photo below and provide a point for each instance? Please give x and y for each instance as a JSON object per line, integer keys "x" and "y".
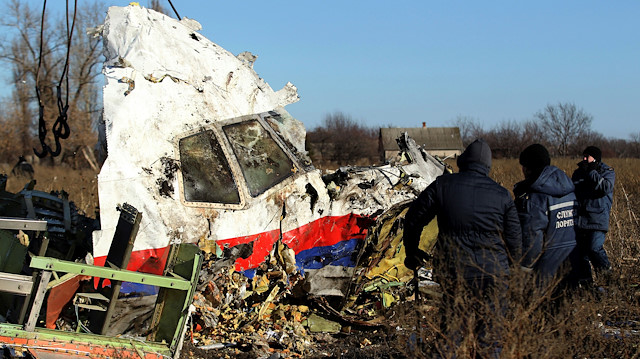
{"x": 23, "y": 224}
{"x": 43, "y": 334}
{"x": 189, "y": 263}
{"x": 14, "y": 254}
{"x": 57, "y": 265}
{"x": 172, "y": 307}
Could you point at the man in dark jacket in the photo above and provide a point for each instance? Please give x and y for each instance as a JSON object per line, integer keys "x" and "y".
{"x": 478, "y": 235}
{"x": 546, "y": 205}
{"x": 594, "y": 182}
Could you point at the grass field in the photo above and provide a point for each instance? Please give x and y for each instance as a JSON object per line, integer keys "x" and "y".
{"x": 598, "y": 322}
{"x": 81, "y": 185}
{"x": 623, "y": 238}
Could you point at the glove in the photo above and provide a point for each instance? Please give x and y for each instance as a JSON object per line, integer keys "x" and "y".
{"x": 583, "y": 165}
{"x": 588, "y": 166}
{"x": 416, "y": 259}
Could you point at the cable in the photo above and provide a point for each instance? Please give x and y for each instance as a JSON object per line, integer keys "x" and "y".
{"x": 42, "y": 126}
{"x": 174, "y": 10}
{"x": 60, "y": 127}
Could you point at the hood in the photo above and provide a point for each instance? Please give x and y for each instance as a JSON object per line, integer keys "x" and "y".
{"x": 476, "y": 157}
{"x": 553, "y": 181}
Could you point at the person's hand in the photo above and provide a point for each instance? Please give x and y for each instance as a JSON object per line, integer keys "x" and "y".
{"x": 588, "y": 166}
{"x": 416, "y": 259}
{"x": 583, "y": 165}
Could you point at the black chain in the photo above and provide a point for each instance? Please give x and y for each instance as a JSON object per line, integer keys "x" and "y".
{"x": 60, "y": 128}
{"x": 42, "y": 126}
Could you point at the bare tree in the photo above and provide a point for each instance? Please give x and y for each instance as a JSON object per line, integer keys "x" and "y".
{"x": 617, "y": 147}
{"x": 565, "y": 124}
{"x": 634, "y": 143}
{"x": 342, "y": 140}
{"x": 155, "y": 5}
{"x": 590, "y": 138}
{"x": 32, "y": 58}
{"x": 532, "y": 132}
{"x": 8, "y": 130}
{"x": 85, "y": 76}
{"x": 20, "y": 49}
{"x": 506, "y": 139}
{"x": 470, "y": 129}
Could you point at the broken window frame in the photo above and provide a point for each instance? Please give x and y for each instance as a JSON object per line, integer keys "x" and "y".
{"x": 236, "y": 170}
{"x": 298, "y": 169}
{"x": 262, "y": 170}
{"x": 287, "y": 148}
{"x": 272, "y": 118}
{"x": 235, "y": 173}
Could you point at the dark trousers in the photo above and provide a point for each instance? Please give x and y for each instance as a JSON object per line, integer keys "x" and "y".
{"x": 473, "y": 305}
{"x": 590, "y": 251}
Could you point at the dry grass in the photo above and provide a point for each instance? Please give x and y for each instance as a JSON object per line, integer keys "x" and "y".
{"x": 623, "y": 238}
{"x": 598, "y": 322}
{"x": 81, "y": 185}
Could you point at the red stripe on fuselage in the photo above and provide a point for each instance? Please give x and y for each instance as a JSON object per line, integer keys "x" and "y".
{"x": 325, "y": 231}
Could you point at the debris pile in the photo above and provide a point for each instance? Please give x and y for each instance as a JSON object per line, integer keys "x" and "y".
{"x": 273, "y": 311}
{"x": 259, "y": 313}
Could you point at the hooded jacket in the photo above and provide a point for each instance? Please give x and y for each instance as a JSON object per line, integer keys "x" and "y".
{"x": 478, "y": 229}
{"x": 546, "y": 208}
{"x": 594, "y": 190}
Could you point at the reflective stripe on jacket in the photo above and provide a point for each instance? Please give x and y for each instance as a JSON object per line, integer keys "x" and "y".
{"x": 547, "y": 209}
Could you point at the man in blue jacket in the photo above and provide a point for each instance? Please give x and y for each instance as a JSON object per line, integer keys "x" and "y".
{"x": 478, "y": 238}
{"x": 594, "y": 182}
{"x": 546, "y": 206}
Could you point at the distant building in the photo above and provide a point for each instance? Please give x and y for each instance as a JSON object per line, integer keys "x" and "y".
{"x": 437, "y": 141}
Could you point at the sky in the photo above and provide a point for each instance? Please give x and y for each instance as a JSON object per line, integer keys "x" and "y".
{"x": 403, "y": 63}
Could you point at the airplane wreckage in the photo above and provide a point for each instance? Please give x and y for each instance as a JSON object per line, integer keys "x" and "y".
{"x": 209, "y": 206}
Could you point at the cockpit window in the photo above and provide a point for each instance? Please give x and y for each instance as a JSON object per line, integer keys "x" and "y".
{"x": 263, "y": 163}
{"x": 206, "y": 174}
{"x": 274, "y": 119}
